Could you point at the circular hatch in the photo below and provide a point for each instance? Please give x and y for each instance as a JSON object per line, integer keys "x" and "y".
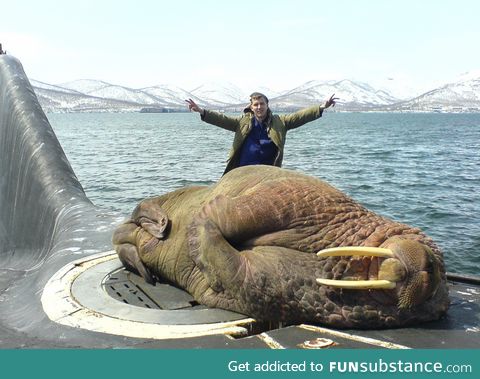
{"x": 98, "y": 294}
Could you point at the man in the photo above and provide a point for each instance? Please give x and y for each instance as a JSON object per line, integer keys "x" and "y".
{"x": 259, "y": 134}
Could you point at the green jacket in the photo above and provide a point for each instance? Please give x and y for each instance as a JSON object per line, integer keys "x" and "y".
{"x": 277, "y": 127}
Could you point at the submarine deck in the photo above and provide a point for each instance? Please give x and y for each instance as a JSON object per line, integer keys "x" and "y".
{"x": 50, "y": 231}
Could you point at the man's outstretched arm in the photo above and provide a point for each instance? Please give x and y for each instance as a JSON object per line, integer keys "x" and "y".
{"x": 214, "y": 118}
{"x": 303, "y": 116}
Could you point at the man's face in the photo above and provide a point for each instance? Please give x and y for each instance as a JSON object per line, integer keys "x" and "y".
{"x": 259, "y": 108}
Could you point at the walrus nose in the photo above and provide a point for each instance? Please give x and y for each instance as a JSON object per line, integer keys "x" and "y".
{"x": 388, "y": 282}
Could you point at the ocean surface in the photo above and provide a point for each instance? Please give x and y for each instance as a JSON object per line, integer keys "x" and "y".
{"x": 419, "y": 169}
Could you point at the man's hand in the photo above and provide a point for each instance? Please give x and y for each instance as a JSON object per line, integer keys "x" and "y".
{"x": 330, "y": 102}
{"x": 194, "y": 107}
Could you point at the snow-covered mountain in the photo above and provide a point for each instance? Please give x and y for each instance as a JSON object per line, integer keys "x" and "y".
{"x": 105, "y": 90}
{"x": 175, "y": 96}
{"x": 84, "y": 85}
{"x": 352, "y": 95}
{"x": 463, "y": 95}
{"x": 220, "y": 94}
{"x": 45, "y": 86}
{"x": 94, "y": 95}
{"x": 61, "y": 101}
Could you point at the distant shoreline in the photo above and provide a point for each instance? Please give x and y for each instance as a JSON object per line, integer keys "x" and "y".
{"x": 169, "y": 111}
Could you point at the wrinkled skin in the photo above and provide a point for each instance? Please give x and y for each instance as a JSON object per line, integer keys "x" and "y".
{"x": 248, "y": 244}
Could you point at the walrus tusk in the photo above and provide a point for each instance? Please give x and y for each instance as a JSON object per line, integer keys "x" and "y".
{"x": 356, "y": 251}
{"x": 358, "y": 284}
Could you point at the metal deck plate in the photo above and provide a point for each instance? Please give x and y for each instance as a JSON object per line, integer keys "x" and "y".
{"x": 132, "y": 289}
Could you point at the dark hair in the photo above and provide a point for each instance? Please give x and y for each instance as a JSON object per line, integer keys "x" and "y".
{"x": 258, "y": 95}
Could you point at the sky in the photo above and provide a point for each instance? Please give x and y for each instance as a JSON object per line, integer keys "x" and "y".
{"x": 406, "y": 45}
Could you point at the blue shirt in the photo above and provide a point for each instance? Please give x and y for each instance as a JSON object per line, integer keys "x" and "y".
{"x": 257, "y": 148}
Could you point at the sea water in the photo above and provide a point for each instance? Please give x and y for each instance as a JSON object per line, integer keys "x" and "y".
{"x": 419, "y": 169}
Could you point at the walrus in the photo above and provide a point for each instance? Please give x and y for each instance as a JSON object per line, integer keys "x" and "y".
{"x": 279, "y": 245}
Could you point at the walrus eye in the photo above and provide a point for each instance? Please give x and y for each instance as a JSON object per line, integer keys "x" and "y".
{"x": 357, "y": 251}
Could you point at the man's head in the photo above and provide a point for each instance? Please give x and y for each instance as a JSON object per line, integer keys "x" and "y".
{"x": 259, "y": 105}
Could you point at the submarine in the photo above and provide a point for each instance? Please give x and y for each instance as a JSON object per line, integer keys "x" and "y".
{"x": 63, "y": 287}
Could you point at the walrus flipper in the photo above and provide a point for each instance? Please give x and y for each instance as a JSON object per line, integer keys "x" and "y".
{"x": 212, "y": 254}
{"x": 151, "y": 217}
{"x": 242, "y": 218}
{"x": 147, "y": 217}
{"x": 128, "y": 255}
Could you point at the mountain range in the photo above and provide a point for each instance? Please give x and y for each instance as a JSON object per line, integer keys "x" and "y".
{"x": 87, "y": 95}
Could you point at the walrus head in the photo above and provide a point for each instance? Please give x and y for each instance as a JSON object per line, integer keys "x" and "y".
{"x": 407, "y": 267}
